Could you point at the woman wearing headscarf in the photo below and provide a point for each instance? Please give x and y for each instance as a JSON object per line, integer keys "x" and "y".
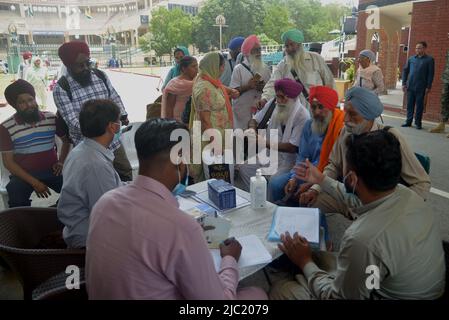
{"x": 179, "y": 53}
{"x": 369, "y": 76}
{"x": 211, "y": 104}
{"x": 179, "y": 90}
{"x": 37, "y": 76}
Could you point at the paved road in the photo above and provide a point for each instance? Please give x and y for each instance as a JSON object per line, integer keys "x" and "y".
{"x": 136, "y": 92}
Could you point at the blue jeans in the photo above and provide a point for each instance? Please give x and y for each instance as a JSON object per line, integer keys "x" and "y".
{"x": 276, "y": 186}
{"x": 19, "y": 191}
{"x": 415, "y": 98}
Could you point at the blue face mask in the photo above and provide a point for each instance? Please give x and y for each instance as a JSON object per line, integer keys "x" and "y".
{"x": 349, "y": 189}
{"x": 180, "y": 187}
{"x": 118, "y": 134}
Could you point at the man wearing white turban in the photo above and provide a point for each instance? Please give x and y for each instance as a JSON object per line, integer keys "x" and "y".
{"x": 369, "y": 76}
{"x": 362, "y": 107}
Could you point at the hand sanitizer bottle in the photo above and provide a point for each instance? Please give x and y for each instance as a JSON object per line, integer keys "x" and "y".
{"x": 258, "y": 190}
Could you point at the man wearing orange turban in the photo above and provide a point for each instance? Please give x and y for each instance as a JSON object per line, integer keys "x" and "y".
{"x": 317, "y": 140}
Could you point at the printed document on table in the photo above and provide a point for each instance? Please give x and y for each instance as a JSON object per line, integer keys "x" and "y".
{"x": 253, "y": 253}
{"x": 305, "y": 221}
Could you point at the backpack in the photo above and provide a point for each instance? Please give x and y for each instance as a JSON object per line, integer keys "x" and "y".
{"x": 64, "y": 84}
{"x": 154, "y": 109}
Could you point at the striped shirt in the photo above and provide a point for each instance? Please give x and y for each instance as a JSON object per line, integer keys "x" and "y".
{"x": 33, "y": 145}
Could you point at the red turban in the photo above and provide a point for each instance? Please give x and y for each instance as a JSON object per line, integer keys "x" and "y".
{"x": 326, "y": 96}
{"x": 27, "y": 55}
{"x": 69, "y": 51}
{"x": 17, "y": 88}
{"x": 249, "y": 44}
{"x": 289, "y": 87}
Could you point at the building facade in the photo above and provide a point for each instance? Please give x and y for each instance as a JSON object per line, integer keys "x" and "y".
{"x": 56, "y": 21}
{"x": 391, "y": 28}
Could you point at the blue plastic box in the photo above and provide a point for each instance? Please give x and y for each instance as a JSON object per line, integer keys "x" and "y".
{"x": 222, "y": 194}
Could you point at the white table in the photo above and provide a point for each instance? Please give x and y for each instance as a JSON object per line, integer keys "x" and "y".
{"x": 246, "y": 221}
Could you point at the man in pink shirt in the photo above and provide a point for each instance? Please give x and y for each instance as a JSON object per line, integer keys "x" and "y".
{"x": 142, "y": 246}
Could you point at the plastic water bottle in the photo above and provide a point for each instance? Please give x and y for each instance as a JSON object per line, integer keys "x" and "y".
{"x": 258, "y": 190}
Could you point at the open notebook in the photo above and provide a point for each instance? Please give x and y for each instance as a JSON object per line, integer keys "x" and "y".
{"x": 305, "y": 221}
{"x": 253, "y": 253}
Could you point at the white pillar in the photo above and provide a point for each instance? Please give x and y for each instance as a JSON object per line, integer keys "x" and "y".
{"x": 22, "y": 10}
{"x": 221, "y": 36}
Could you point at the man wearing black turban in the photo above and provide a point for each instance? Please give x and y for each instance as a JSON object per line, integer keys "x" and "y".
{"x": 27, "y": 144}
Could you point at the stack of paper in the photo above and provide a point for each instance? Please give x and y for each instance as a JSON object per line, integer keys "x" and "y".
{"x": 253, "y": 253}
{"x": 305, "y": 221}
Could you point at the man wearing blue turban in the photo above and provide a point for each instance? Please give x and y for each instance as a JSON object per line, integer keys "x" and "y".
{"x": 305, "y": 67}
{"x": 362, "y": 107}
{"x": 234, "y": 46}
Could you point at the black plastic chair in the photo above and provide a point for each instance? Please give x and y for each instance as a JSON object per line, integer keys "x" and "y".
{"x": 446, "y": 258}
{"x": 21, "y": 232}
{"x": 55, "y": 288}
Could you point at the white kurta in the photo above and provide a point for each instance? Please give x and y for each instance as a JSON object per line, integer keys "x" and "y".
{"x": 241, "y": 106}
{"x": 318, "y": 73}
{"x": 291, "y": 134}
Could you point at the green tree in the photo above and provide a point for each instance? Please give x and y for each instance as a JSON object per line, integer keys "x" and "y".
{"x": 267, "y": 41}
{"x": 168, "y": 29}
{"x": 145, "y": 42}
{"x": 314, "y": 19}
{"x": 243, "y": 17}
{"x": 277, "y": 21}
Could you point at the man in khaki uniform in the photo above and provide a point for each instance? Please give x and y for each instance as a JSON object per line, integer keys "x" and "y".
{"x": 362, "y": 107}
{"x": 392, "y": 251}
{"x": 444, "y": 100}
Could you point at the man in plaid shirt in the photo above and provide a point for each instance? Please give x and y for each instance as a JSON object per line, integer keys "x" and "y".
{"x": 80, "y": 85}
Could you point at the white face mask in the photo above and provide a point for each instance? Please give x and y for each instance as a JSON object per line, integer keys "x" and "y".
{"x": 356, "y": 129}
{"x": 348, "y": 188}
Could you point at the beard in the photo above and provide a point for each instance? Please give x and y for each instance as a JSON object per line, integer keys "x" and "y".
{"x": 29, "y": 115}
{"x": 256, "y": 65}
{"x": 283, "y": 112}
{"x": 356, "y": 129}
{"x": 84, "y": 78}
{"x": 297, "y": 62}
{"x": 319, "y": 126}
